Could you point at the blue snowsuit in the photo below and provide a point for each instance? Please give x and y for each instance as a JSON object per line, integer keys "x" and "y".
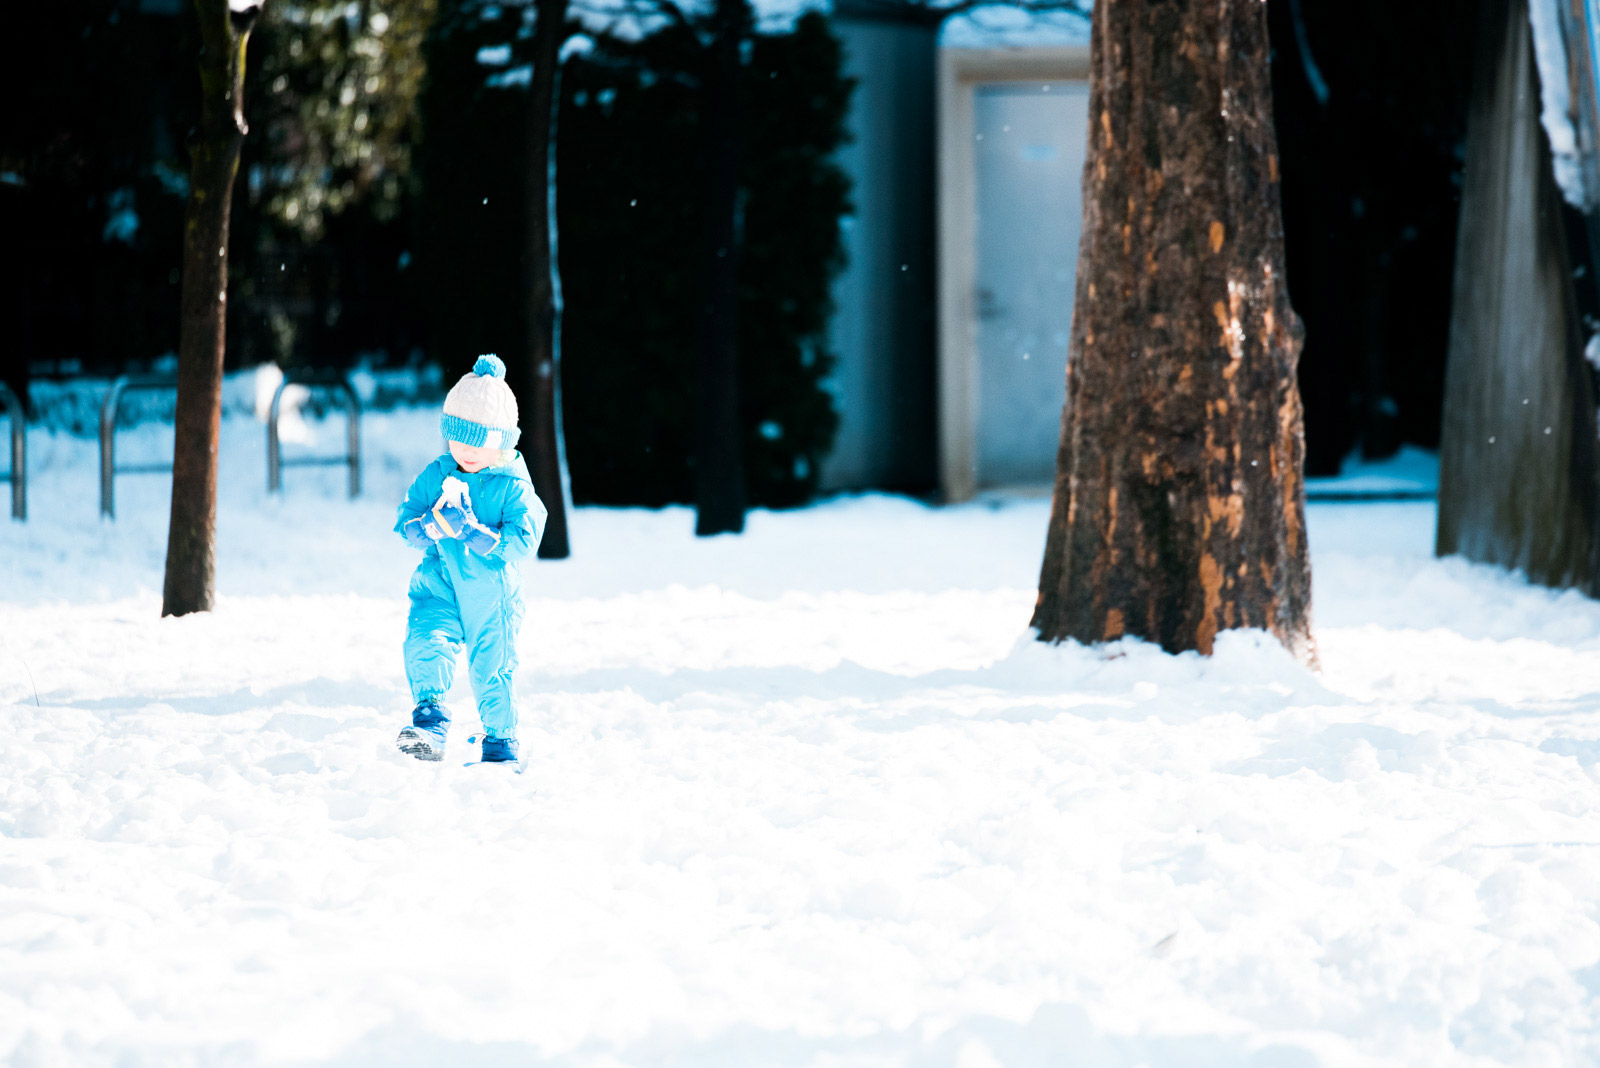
{"x": 459, "y": 598}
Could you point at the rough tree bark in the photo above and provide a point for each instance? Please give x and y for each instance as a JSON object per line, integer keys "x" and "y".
{"x": 214, "y": 146}
{"x": 1179, "y": 499}
{"x": 719, "y": 462}
{"x": 538, "y": 378}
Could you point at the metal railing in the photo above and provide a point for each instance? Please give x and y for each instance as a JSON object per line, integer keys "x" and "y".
{"x": 18, "y": 475}
{"x": 352, "y": 456}
{"x": 120, "y": 388}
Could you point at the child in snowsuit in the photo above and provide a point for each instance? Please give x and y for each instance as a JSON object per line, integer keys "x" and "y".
{"x": 474, "y": 515}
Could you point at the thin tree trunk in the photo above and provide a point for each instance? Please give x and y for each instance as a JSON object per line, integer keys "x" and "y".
{"x": 1179, "y": 500}
{"x": 1380, "y": 423}
{"x": 719, "y": 463}
{"x": 214, "y": 147}
{"x": 16, "y": 303}
{"x": 538, "y": 379}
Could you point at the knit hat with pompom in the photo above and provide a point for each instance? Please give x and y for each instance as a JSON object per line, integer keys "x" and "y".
{"x": 480, "y": 409}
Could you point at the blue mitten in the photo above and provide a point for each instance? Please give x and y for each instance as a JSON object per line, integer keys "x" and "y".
{"x": 421, "y": 533}
{"x": 453, "y": 516}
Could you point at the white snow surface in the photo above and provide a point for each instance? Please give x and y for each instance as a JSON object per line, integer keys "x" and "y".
{"x": 1412, "y": 470}
{"x": 1008, "y": 26}
{"x": 991, "y": 25}
{"x": 810, "y": 796}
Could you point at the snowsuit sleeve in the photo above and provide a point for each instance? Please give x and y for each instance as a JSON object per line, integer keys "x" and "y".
{"x": 521, "y": 522}
{"x": 420, "y": 498}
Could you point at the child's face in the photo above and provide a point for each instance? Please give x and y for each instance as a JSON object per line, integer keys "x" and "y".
{"x": 473, "y": 458}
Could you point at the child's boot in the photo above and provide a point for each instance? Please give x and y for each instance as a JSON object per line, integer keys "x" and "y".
{"x": 424, "y": 739}
{"x": 497, "y": 750}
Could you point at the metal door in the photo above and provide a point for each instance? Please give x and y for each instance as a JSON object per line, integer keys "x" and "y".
{"x": 1029, "y": 151}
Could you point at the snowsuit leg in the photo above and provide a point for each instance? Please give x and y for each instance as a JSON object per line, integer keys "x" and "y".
{"x": 491, "y": 613}
{"x": 433, "y": 633}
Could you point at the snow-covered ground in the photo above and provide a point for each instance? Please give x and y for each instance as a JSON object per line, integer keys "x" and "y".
{"x": 806, "y": 797}
{"x": 1411, "y": 473}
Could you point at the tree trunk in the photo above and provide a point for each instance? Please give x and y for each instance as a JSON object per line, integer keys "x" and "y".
{"x": 1519, "y": 473}
{"x": 16, "y": 304}
{"x": 538, "y": 378}
{"x": 719, "y": 465}
{"x": 1179, "y": 506}
{"x": 214, "y": 147}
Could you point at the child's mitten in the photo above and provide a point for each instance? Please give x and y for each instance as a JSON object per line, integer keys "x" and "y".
{"x": 421, "y": 532}
{"x": 453, "y": 515}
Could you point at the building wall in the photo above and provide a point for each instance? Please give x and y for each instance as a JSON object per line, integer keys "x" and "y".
{"x": 885, "y": 320}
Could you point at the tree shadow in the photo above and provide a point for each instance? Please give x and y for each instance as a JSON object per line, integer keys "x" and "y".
{"x": 315, "y": 693}
{"x": 1055, "y": 1035}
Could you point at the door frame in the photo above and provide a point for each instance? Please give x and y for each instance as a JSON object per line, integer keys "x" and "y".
{"x": 961, "y": 71}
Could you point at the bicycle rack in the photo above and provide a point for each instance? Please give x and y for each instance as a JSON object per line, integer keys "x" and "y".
{"x": 18, "y": 475}
{"x": 120, "y": 387}
{"x": 352, "y": 457}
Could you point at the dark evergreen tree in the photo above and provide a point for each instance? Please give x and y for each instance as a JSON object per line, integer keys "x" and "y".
{"x": 334, "y": 86}
{"x": 92, "y": 181}
{"x": 320, "y": 223}
{"x": 630, "y": 209}
{"x": 1370, "y": 102}
{"x": 95, "y": 180}
{"x": 718, "y": 456}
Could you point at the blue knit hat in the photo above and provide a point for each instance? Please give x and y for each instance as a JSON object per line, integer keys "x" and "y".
{"x": 480, "y": 409}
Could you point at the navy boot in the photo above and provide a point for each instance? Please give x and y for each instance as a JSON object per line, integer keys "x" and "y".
{"x": 424, "y": 739}
{"x": 499, "y": 750}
